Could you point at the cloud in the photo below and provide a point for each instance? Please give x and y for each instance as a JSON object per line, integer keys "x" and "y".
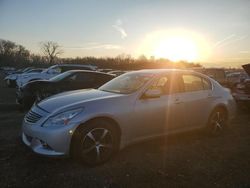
{"x": 229, "y": 40}
{"x": 220, "y": 42}
{"x": 93, "y": 46}
{"x": 244, "y": 52}
{"x": 120, "y": 29}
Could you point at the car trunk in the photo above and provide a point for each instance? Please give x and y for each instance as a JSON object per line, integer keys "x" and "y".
{"x": 246, "y": 82}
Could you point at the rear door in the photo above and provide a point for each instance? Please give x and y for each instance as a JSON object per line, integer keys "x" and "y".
{"x": 197, "y": 97}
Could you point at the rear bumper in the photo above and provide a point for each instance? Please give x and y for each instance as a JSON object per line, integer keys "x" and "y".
{"x": 241, "y": 97}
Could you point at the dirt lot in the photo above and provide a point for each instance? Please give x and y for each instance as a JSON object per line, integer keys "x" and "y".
{"x": 186, "y": 160}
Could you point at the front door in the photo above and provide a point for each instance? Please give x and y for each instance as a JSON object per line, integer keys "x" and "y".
{"x": 156, "y": 116}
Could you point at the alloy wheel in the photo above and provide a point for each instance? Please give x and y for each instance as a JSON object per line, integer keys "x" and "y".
{"x": 218, "y": 121}
{"x": 97, "y": 145}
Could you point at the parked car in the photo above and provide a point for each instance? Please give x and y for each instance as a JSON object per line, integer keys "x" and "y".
{"x": 10, "y": 80}
{"x": 92, "y": 125}
{"x": 217, "y": 74}
{"x": 234, "y": 78}
{"x": 241, "y": 92}
{"x": 70, "y": 80}
{"x": 7, "y": 70}
{"x": 117, "y": 72}
{"x": 51, "y": 72}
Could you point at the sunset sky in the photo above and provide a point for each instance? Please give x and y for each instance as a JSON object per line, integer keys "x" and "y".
{"x": 214, "y": 32}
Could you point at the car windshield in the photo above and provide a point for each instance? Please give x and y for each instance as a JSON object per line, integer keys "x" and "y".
{"x": 127, "y": 83}
{"x": 60, "y": 76}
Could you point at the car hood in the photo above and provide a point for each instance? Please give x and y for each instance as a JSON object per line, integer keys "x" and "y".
{"x": 31, "y": 74}
{"x": 72, "y": 98}
{"x": 246, "y": 67}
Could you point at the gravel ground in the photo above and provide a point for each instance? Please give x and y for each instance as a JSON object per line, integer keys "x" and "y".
{"x": 183, "y": 160}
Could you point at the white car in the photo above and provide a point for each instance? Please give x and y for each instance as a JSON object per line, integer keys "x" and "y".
{"x": 92, "y": 124}
{"x": 10, "y": 80}
{"x": 51, "y": 72}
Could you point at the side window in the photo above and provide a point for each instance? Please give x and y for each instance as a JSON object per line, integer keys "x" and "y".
{"x": 206, "y": 84}
{"x": 160, "y": 83}
{"x": 55, "y": 70}
{"x": 168, "y": 84}
{"x": 103, "y": 78}
{"x": 192, "y": 83}
{"x": 85, "y": 77}
{"x": 58, "y": 69}
{"x": 72, "y": 78}
{"x": 67, "y": 68}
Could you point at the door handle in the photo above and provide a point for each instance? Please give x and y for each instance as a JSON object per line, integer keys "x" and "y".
{"x": 209, "y": 96}
{"x": 178, "y": 101}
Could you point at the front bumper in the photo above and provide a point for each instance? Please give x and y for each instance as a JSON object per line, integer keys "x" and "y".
{"x": 40, "y": 147}
{"x": 50, "y": 141}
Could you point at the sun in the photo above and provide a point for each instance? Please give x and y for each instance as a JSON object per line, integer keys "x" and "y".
{"x": 176, "y": 48}
{"x": 175, "y": 45}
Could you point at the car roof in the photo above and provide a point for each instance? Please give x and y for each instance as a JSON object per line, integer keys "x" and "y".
{"x": 89, "y": 71}
{"x": 74, "y": 65}
{"x": 162, "y": 71}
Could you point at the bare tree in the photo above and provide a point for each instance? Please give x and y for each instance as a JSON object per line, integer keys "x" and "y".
{"x": 51, "y": 50}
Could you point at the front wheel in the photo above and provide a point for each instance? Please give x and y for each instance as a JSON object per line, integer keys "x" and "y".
{"x": 95, "y": 142}
{"x": 217, "y": 123}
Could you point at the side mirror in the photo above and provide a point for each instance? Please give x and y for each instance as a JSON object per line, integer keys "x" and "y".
{"x": 152, "y": 93}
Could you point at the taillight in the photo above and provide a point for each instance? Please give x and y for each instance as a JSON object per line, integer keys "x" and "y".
{"x": 240, "y": 86}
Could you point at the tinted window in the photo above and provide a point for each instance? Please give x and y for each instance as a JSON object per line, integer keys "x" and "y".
{"x": 100, "y": 78}
{"x": 192, "y": 83}
{"x": 60, "y": 76}
{"x": 72, "y": 77}
{"x": 85, "y": 77}
{"x": 54, "y": 70}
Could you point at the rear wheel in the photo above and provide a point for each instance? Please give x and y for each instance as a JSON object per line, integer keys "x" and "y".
{"x": 217, "y": 123}
{"x": 95, "y": 142}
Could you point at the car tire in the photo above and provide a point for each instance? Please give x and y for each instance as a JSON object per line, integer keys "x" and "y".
{"x": 217, "y": 123}
{"x": 95, "y": 142}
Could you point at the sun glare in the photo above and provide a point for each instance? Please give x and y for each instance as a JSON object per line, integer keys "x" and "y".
{"x": 175, "y": 45}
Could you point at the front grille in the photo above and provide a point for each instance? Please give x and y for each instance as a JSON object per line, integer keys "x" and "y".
{"x": 32, "y": 117}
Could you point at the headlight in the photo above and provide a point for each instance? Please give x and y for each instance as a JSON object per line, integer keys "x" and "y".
{"x": 62, "y": 118}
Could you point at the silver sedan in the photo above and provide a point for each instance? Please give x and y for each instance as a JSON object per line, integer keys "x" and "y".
{"x": 91, "y": 125}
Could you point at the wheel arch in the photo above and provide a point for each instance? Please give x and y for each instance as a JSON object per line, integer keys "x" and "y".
{"x": 218, "y": 106}
{"x": 112, "y": 121}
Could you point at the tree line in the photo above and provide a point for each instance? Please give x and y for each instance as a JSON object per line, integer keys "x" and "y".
{"x": 16, "y": 55}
